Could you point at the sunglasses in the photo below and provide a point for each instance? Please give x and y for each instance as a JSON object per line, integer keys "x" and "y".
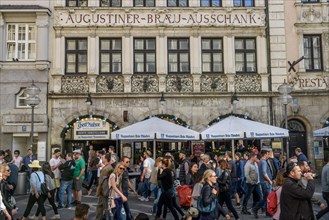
{"x": 121, "y": 168}
{"x": 8, "y": 170}
{"x": 128, "y": 161}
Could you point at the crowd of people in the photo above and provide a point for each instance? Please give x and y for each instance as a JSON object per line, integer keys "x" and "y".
{"x": 201, "y": 183}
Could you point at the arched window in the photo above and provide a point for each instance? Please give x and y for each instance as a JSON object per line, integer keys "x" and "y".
{"x": 20, "y": 98}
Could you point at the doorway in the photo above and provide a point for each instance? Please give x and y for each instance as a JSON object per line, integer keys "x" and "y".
{"x": 297, "y": 136}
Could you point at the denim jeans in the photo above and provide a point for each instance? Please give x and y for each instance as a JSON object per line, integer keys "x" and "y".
{"x": 65, "y": 186}
{"x": 266, "y": 189}
{"x": 249, "y": 189}
{"x": 146, "y": 183}
{"x": 226, "y": 197}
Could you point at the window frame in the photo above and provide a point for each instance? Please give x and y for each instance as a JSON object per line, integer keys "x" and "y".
{"x": 145, "y": 51}
{"x": 179, "y": 51}
{"x": 21, "y": 96}
{"x": 243, "y": 3}
{"x": 77, "y": 3}
{"x": 110, "y": 2}
{"x": 310, "y": 1}
{"x": 310, "y": 37}
{"x": 26, "y": 42}
{"x": 177, "y": 3}
{"x": 76, "y": 52}
{"x": 144, "y": 3}
{"x": 212, "y": 51}
{"x": 245, "y": 52}
{"x": 210, "y": 3}
{"x": 111, "y": 52}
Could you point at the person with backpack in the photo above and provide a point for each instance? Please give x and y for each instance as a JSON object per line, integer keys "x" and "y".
{"x": 207, "y": 202}
{"x": 36, "y": 194}
{"x": 103, "y": 189}
{"x": 50, "y": 182}
{"x": 66, "y": 170}
{"x": 273, "y": 205}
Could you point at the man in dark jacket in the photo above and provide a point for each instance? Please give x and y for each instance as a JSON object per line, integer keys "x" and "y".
{"x": 67, "y": 170}
{"x": 295, "y": 201}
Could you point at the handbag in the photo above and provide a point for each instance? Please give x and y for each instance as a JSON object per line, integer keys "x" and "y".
{"x": 44, "y": 188}
{"x": 206, "y": 209}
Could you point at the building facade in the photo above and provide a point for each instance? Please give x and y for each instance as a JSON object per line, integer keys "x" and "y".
{"x": 122, "y": 56}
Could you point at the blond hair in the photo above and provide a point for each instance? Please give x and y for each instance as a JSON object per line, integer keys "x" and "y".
{"x": 208, "y": 173}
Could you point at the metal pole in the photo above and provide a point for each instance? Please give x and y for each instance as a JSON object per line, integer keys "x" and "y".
{"x": 32, "y": 128}
{"x": 286, "y": 125}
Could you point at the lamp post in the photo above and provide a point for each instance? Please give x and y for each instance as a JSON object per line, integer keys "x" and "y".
{"x": 32, "y": 100}
{"x": 285, "y": 98}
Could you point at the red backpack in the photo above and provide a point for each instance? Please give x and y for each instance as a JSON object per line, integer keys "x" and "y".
{"x": 184, "y": 195}
{"x": 272, "y": 203}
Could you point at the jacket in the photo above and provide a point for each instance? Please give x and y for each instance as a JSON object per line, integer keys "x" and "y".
{"x": 207, "y": 198}
{"x": 295, "y": 201}
{"x": 67, "y": 170}
{"x": 224, "y": 181}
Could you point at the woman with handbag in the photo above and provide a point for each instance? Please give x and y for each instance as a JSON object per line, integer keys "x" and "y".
{"x": 207, "y": 202}
{"x": 116, "y": 197}
{"x": 36, "y": 195}
{"x": 224, "y": 186}
{"x": 50, "y": 182}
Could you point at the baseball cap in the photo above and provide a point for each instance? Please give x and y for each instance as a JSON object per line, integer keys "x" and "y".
{"x": 77, "y": 151}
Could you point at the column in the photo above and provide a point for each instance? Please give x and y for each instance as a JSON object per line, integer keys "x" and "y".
{"x": 195, "y": 59}
{"x": 229, "y": 61}
{"x": 58, "y": 60}
{"x": 161, "y": 59}
{"x": 262, "y": 61}
{"x": 127, "y": 59}
{"x": 2, "y": 40}
{"x": 92, "y": 54}
{"x": 42, "y": 24}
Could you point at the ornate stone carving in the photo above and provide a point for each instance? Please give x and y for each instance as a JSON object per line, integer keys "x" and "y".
{"x": 110, "y": 84}
{"x": 326, "y": 39}
{"x": 144, "y": 83}
{"x": 179, "y": 83}
{"x": 248, "y": 83}
{"x": 213, "y": 83}
{"x": 75, "y": 84}
{"x": 311, "y": 14}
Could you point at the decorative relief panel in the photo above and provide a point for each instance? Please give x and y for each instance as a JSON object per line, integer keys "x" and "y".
{"x": 248, "y": 83}
{"x": 75, "y": 84}
{"x": 213, "y": 83}
{"x": 144, "y": 83}
{"x": 179, "y": 83}
{"x": 312, "y": 13}
{"x": 110, "y": 84}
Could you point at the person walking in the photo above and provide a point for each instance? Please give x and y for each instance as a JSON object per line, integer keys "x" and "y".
{"x": 300, "y": 155}
{"x": 92, "y": 169}
{"x": 325, "y": 188}
{"x": 224, "y": 186}
{"x": 50, "y": 182}
{"x": 148, "y": 166}
{"x": 4, "y": 214}
{"x": 67, "y": 171}
{"x": 184, "y": 167}
{"x": 36, "y": 195}
{"x": 278, "y": 189}
{"x": 78, "y": 176}
{"x": 6, "y": 189}
{"x": 55, "y": 162}
{"x": 26, "y": 161}
{"x": 295, "y": 201}
{"x": 192, "y": 174}
{"x": 234, "y": 177}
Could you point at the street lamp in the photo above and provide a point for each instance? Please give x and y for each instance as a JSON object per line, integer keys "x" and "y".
{"x": 32, "y": 100}
{"x": 285, "y": 98}
{"x": 234, "y": 101}
{"x": 162, "y": 101}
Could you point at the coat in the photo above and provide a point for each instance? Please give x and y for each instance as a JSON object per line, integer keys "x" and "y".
{"x": 295, "y": 201}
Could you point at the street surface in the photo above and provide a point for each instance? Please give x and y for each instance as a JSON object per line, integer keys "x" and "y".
{"x": 136, "y": 207}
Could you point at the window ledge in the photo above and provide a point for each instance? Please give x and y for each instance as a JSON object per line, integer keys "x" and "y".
{"x": 40, "y": 65}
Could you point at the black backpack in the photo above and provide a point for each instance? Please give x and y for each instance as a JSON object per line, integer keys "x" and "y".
{"x": 44, "y": 188}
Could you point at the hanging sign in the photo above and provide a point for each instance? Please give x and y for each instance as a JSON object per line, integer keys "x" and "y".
{"x": 91, "y": 129}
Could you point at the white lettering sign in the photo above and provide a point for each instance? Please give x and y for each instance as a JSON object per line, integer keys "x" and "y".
{"x": 91, "y": 129}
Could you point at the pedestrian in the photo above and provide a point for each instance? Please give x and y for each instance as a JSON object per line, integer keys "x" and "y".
{"x": 116, "y": 196}
{"x": 283, "y": 162}
{"x": 208, "y": 197}
{"x": 36, "y": 195}
{"x": 167, "y": 198}
{"x": 55, "y": 162}
{"x": 102, "y": 203}
{"x": 4, "y": 214}
{"x": 234, "y": 177}
{"x": 2, "y": 156}
{"x": 154, "y": 185}
{"x": 184, "y": 167}
{"x": 300, "y": 155}
{"x": 295, "y": 201}
{"x": 17, "y": 160}
{"x": 50, "y": 182}
{"x": 78, "y": 176}
{"x": 252, "y": 182}
{"x": 25, "y": 167}
{"x": 81, "y": 212}
{"x": 273, "y": 164}
{"x": 12, "y": 178}
{"x": 126, "y": 184}
{"x": 192, "y": 174}
{"x": 8, "y": 156}
{"x": 6, "y": 189}
{"x": 265, "y": 177}
{"x": 196, "y": 192}
{"x": 92, "y": 169}
{"x": 325, "y": 188}
{"x": 148, "y": 166}
{"x": 240, "y": 174}
{"x": 67, "y": 171}
{"x": 113, "y": 154}
{"x": 278, "y": 189}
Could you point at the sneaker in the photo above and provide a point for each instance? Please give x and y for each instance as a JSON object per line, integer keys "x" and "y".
{"x": 245, "y": 212}
{"x": 56, "y": 217}
{"x": 60, "y": 207}
{"x": 74, "y": 202}
{"x": 33, "y": 217}
{"x": 254, "y": 212}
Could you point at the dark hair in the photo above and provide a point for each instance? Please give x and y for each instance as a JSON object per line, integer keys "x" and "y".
{"x": 69, "y": 154}
{"x": 17, "y": 151}
{"x": 57, "y": 151}
{"x": 46, "y": 169}
{"x": 224, "y": 164}
{"x": 108, "y": 157}
{"x": 2, "y": 153}
{"x": 191, "y": 165}
{"x": 263, "y": 152}
{"x": 166, "y": 161}
{"x": 301, "y": 163}
{"x": 125, "y": 157}
{"x": 289, "y": 168}
{"x": 81, "y": 210}
{"x": 102, "y": 152}
{"x": 229, "y": 154}
{"x": 142, "y": 216}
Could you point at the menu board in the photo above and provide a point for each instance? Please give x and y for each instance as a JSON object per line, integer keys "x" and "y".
{"x": 198, "y": 148}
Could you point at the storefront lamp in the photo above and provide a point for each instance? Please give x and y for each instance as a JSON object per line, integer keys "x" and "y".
{"x": 32, "y": 100}
{"x": 162, "y": 99}
{"x": 89, "y": 101}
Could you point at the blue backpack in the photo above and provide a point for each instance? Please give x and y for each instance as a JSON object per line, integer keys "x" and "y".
{"x": 206, "y": 209}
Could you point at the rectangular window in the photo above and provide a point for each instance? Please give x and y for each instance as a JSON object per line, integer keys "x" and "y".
{"x": 21, "y": 42}
{"x": 310, "y": 1}
{"x": 245, "y": 55}
{"x": 76, "y": 60}
{"x": 211, "y": 3}
{"x": 177, "y": 3}
{"x": 110, "y": 3}
{"x": 110, "y": 51}
{"x": 212, "y": 55}
{"x": 144, "y": 56}
{"x": 178, "y": 55}
{"x": 243, "y": 3}
{"x": 76, "y": 3}
{"x": 312, "y": 52}
{"x": 144, "y": 3}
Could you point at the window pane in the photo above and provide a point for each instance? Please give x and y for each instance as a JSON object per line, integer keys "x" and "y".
{"x": 182, "y": 3}
{"x": 171, "y": 2}
{"x": 172, "y": 45}
{"x": 184, "y": 67}
{"x": 184, "y": 57}
{"x": 116, "y": 67}
{"x": 116, "y": 3}
{"x": 237, "y": 3}
{"x": 183, "y": 44}
{"x": 250, "y": 57}
{"x": 172, "y": 58}
{"x": 215, "y": 2}
{"x": 238, "y": 44}
{"x": 249, "y": 3}
{"x": 250, "y": 44}
{"x": 239, "y": 57}
{"x": 31, "y": 52}
{"x": 105, "y": 67}
{"x": 206, "y": 57}
{"x": 21, "y": 50}
{"x": 83, "y": 2}
{"x": 21, "y": 32}
{"x": 150, "y": 3}
{"x": 206, "y": 67}
{"x": 218, "y": 67}
{"x": 105, "y": 3}
{"x": 139, "y": 3}
{"x": 150, "y": 57}
{"x": 150, "y": 67}
{"x": 205, "y": 3}
{"x": 150, "y": 44}
{"x": 70, "y": 44}
{"x": 31, "y": 32}
{"x": 116, "y": 57}
{"x": 206, "y": 44}
{"x": 11, "y": 50}
{"x": 82, "y": 44}
{"x": 11, "y": 32}
{"x": 217, "y": 44}
{"x": 105, "y": 44}
{"x": 116, "y": 44}
{"x": 217, "y": 57}
{"x": 139, "y": 44}
{"x": 317, "y": 64}
{"x": 82, "y": 67}
{"x": 82, "y": 58}
{"x": 105, "y": 57}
